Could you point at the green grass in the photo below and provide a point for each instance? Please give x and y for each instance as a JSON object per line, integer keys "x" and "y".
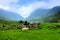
{"x": 34, "y": 34}
{"x": 39, "y": 34}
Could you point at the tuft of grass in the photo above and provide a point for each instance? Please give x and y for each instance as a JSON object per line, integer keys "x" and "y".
{"x": 39, "y": 34}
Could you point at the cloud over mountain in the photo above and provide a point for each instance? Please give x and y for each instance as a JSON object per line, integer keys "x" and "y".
{"x": 25, "y": 7}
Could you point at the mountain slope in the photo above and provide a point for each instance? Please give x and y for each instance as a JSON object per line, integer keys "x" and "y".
{"x": 6, "y": 15}
{"x": 55, "y": 17}
{"x": 45, "y": 14}
{"x": 38, "y": 13}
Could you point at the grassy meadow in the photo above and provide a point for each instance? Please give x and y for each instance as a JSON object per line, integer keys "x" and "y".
{"x": 39, "y": 34}
{"x": 45, "y": 31}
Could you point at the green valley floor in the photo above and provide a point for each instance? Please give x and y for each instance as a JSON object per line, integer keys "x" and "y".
{"x": 36, "y": 34}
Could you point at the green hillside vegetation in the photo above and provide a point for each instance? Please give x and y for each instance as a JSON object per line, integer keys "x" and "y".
{"x": 39, "y": 34}
{"x": 45, "y": 31}
{"x": 45, "y": 15}
{"x": 8, "y": 24}
{"x": 53, "y": 18}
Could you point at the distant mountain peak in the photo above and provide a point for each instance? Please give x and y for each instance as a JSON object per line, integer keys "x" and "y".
{"x": 42, "y": 14}
{"x": 6, "y": 15}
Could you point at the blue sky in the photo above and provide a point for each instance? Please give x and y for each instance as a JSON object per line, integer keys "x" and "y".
{"x": 26, "y": 7}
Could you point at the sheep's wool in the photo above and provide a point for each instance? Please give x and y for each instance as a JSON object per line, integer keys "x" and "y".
{"x": 25, "y": 29}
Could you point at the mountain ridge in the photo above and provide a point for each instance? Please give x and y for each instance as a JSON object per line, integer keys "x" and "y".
{"x": 10, "y": 16}
{"x": 45, "y": 13}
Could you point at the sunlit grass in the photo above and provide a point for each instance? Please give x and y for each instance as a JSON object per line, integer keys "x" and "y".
{"x": 33, "y": 34}
{"x": 39, "y": 34}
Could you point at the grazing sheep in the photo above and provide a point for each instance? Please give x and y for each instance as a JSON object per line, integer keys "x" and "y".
{"x": 25, "y": 29}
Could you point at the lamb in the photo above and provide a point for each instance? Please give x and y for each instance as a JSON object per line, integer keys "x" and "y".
{"x": 25, "y": 29}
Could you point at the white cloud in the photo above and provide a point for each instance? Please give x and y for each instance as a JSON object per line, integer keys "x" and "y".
{"x": 4, "y": 7}
{"x": 8, "y": 4}
{"x": 53, "y": 3}
{"x": 25, "y": 11}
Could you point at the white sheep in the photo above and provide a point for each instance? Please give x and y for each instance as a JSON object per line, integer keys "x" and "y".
{"x": 25, "y": 29}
